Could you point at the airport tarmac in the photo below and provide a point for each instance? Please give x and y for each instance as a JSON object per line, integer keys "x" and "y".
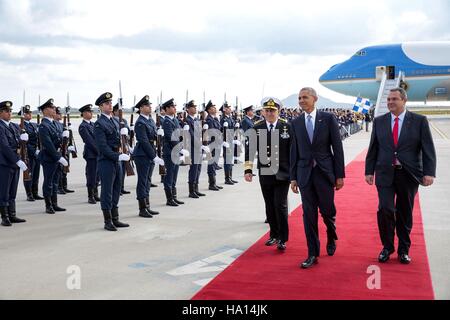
{"x": 174, "y": 254}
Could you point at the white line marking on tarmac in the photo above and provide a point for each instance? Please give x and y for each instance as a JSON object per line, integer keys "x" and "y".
{"x": 442, "y": 134}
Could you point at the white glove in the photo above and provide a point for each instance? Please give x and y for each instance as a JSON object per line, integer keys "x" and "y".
{"x": 24, "y": 137}
{"x": 22, "y": 165}
{"x": 237, "y": 142}
{"x": 124, "y": 131}
{"x": 160, "y": 132}
{"x": 63, "y": 162}
{"x": 182, "y": 158}
{"x": 71, "y": 149}
{"x": 159, "y": 161}
{"x": 186, "y": 128}
{"x": 131, "y": 128}
{"x": 37, "y": 153}
{"x": 66, "y": 134}
{"x": 226, "y": 145}
{"x": 237, "y": 126}
{"x": 206, "y": 149}
{"x": 124, "y": 157}
{"x": 225, "y": 124}
{"x": 185, "y": 153}
{"x": 205, "y": 127}
{"x": 131, "y": 150}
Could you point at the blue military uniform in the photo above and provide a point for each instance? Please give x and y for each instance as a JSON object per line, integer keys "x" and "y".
{"x": 125, "y": 125}
{"x": 9, "y": 170}
{"x": 107, "y": 139}
{"x": 50, "y": 138}
{"x": 213, "y": 123}
{"x": 170, "y": 125}
{"x": 247, "y": 123}
{"x": 195, "y": 132}
{"x": 227, "y": 123}
{"x": 90, "y": 154}
{"x": 144, "y": 154}
{"x": 57, "y": 182}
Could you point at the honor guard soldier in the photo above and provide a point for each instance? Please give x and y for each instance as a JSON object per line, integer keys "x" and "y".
{"x": 247, "y": 122}
{"x": 62, "y": 186}
{"x": 107, "y": 139}
{"x": 62, "y": 135}
{"x": 32, "y": 186}
{"x": 90, "y": 153}
{"x": 195, "y": 132}
{"x": 274, "y": 177}
{"x": 170, "y": 125}
{"x": 227, "y": 123}
{"x": 116, "y": 116}
{"x": 10, "y": 164}
{"x": 50, "y": 156}
{"x": 145, "y": 155}
{"x": 213, "y": 123}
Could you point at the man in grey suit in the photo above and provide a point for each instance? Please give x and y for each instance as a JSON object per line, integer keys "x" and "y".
{"x": 401, "y": 155}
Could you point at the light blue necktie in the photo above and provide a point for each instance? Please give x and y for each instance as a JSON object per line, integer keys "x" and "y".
{"x": 310, "y": 128}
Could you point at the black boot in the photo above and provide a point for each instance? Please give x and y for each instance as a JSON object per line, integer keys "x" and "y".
{"x": 91, "y": 198}
{"x": 212, "y": 184}
{"x": 96, "y": 197}
{"x": 124, "y": 192}
{"x": 12, "y": 214}
{"x": 60, "y": 188}
{"x": 169, "y": 198}
{"x": 64, "y": 184}
{"x": 55, "y": 204}
{"x": 5, "y": 219}
{"x": 108, "y": 221}
{"x": 143, "y": 209}
{"x": 115, "y": 219}
{"x": 147, "y": 203}
{"x": 174, "y": 193}
{"x": 231, "y": 177}
{"x": 198, "y": 192}
{"x": 48, "y": 205}
{"x": 228, "y": 179}
{"x": 192, "y": 193}
{"x": 34, "y": 190}
{"x": 29, "y": 193}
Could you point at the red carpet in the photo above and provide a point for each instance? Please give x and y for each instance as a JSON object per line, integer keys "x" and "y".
{"x": 263, "y": 273}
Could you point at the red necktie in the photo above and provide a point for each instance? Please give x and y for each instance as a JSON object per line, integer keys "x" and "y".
{"x": 395, "y": 132}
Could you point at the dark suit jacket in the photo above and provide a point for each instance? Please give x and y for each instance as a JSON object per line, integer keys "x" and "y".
{"x": 326, "y": 149}
{"x": 86, "y": 132}
{"x": 169, "y": 127}
{"x": 415, "y": 149}
{"x": 145, "y": 136}
{"x": 107, "y": 138}
{"x": 50, "y": 137}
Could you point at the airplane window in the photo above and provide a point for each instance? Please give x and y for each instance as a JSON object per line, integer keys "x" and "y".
{"x": 361, "y": 53}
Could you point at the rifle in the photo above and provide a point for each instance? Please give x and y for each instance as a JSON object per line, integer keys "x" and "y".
{"x": 186, "y": 134}
{"x": 64, "y": 146}
{"x": 205, "y": 136}
{"x": 132, "y": 130}
{"x": 38, "y": 121}
{"x": 124, "y": 145}
{"x": 162, "y": 169}
{"x": 71, "y": 139}
{"x": 237, "y": 135}
{"x": 23, "y": 144}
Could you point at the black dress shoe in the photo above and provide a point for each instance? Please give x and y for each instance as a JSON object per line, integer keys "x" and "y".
{"x": 331, "y": 248}
{"x": 153, "y": 186}
{"x": 309, "y": 262}
{"x": 281, "y": 246}
{"x": 271, "y": 242}
{"x": 404, "y": 258}
{"x": 125, "y": 192}
{"x": 384, "y": 255}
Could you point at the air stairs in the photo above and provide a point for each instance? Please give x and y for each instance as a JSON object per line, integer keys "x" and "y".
{"x": 385, "y": 87}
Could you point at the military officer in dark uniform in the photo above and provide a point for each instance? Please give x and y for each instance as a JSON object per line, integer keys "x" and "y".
{"x": 145, "y": 155}
{"x": 116, "y": 116}
{"x": 274, "y": 176}
{"x": 10, "y": 164}
{"x": 170, "y": 125}
{"x": 107, "y": 139}
{"x": 195, "y": 132}
{"x": 90, "y": 153}
{"x": 50, "y": 156}
{"x": 32, "y": 186}
{"x": 212, "y": 123}
{"x": 247, "y": 121}
{"x": 63, "y": 134}
{"x": 228, "y": 124}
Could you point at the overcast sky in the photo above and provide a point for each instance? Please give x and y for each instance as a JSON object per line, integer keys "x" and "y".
{"x": 51, "y": 47}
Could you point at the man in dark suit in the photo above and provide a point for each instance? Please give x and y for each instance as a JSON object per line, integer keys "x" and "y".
{"x": 402, "y": 156}
{"x": 317, "y": 169}
{"x": 272, "y": 141}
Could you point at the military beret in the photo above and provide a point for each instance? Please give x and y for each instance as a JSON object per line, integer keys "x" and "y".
{"x": 168, "y": 104}
{"x": 209, "y": 105}
{"x": 104, "y": 98}
{"x": 246, "y": 110}
{"x": 271, "y": 103}
{"x": 48, "y": 104}
{"x": 191, "y": 104}
{"x": 25, "y": 109}
{"x": 87, "y": 107}
{"x": 6, "y": 106}
{"x": 145, "y": 101}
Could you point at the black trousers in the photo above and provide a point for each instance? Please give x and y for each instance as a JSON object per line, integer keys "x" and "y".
{"x": 318, "y": 194}
{"x": 395, "y": 208}
{"x": 275, "y": 195}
